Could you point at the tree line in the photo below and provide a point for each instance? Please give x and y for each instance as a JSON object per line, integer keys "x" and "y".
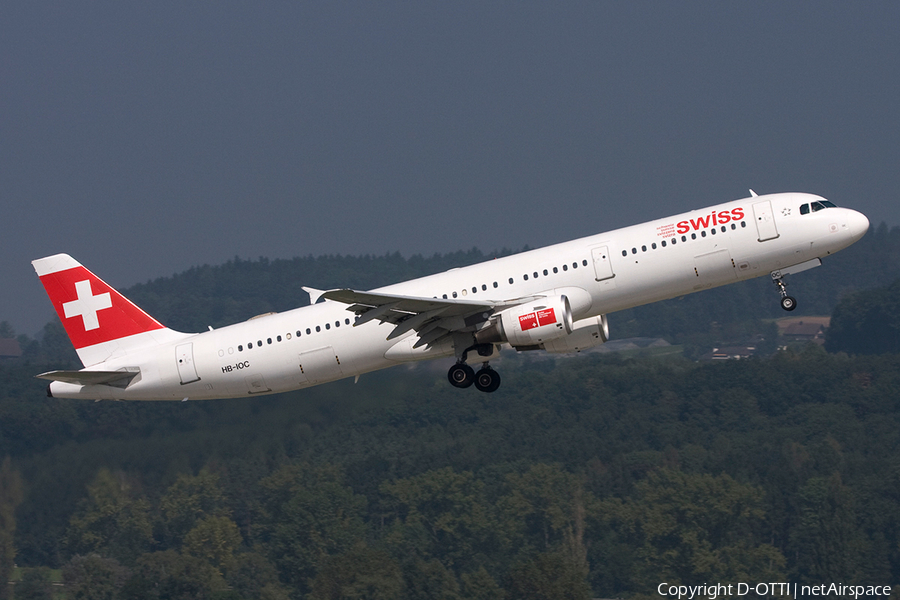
{"x": 585, "y": 476}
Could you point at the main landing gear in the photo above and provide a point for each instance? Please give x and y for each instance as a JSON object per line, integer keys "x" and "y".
{"x": 462, "y": 375}
{"x": 788, "y": 303}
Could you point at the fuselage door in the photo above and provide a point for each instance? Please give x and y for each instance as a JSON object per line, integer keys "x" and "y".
{"x": 602, "y": 264}
{"x": 184, "y": 357}
{"x": 765, "y": 221}
{"x": 320, "y": 365}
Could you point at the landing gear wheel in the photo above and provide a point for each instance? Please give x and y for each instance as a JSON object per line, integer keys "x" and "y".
{"x": 788, "y": 303}
{"x": 461, "y": 375}
{"x": 487, "y": 380}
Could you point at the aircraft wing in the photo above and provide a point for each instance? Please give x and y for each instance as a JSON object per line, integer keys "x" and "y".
{"x": 431, "y": 318}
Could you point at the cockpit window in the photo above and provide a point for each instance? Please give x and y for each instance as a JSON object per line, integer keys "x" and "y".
{"x": 816, "y": 206}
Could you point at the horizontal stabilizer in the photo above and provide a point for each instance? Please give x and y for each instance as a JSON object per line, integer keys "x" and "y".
{"x": 119, "y": 379}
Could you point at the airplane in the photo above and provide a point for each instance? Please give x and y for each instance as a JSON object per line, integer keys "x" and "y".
{"x": 554, "y": 299}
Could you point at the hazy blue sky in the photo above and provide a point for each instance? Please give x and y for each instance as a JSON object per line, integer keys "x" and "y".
{"x": 144, "y": 138}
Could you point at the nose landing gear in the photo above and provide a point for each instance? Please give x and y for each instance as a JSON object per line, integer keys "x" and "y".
{"x": 788, "y": 303}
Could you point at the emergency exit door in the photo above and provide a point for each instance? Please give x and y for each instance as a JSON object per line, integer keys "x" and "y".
{"x": 765, "y": 221}
{"x": 184, "y": 357}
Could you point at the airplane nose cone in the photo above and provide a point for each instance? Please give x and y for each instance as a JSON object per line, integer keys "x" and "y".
{"x": 858, "y": 224}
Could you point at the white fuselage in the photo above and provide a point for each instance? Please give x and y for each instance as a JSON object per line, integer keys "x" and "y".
{"x": 599, "y": 274}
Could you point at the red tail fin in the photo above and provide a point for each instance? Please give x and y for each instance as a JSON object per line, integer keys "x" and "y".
{"x": 90, "y": 310}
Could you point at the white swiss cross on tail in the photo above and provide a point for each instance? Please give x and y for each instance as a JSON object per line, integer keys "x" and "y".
{"x": 87, "y": 305}
{"x": 106, "y": 315}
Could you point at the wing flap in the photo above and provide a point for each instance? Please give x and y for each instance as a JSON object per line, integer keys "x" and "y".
{"x": 431, "y": 318}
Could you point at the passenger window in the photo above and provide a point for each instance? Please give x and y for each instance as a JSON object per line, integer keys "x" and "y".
{"x": 337, "y": 323}
{"x": 525, "y": 276}
{"x": 269, "y": 341}
{"x": 653, "y": 245}
{"x": 584, "y": 263}
{"x": 346, "y": 321}
{"x": 483, "y": 287}
{"x": 454, "y": 294}
{"x": 723, "y": 228}
{"x": 546, "y": 272}
{"x": 278, "y": 338}
{"x": 495, "y": 284}
{"x": 693, "y": 236}
{"x": 713, "y": 231}
{"x": 743, "y": 223}
{"x": 445, "y": 296}
{"x": 703, "y": 233}
{"x": 318, "y": 329}
{"x": 240, "y": 348}
{"x": 643, "y": 248}
{"x": 259, "y": 343}
{"x": 575, "y": 265}
{"x": 328, "y": 326}
{"x": 733, "y": 226}
{"x": 308, "y": 331}
{"x": 565, "y": 267}
{"x": 535, "y": 274}
{"x": 624, "y": 252}
{"x": 555, "y": 270}
{"x": 684, "y": 238}
{"x": 510, "y": 280}
{"x": 474, "y": 290}
{"x": 298, "y": 333}
{"x": 663, "y": 243}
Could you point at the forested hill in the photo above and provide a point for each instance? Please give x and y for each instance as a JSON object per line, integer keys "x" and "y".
{"x": 590, "y": 476}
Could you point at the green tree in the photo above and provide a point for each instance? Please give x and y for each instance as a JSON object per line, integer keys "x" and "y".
{"x": 10, "y": 498}
{"x": 442, "y": 514}
{"x": 93, "y": 577}
{"x": 826, "y": 541}
{"x": 214, "y": 539}
{"x": 307, "y": 515}
{"x": 251, "y": 573}
{"x": 110, "y": 521}
{"x": 35, "y": 585}
{"x": 479, "y": 585}
{"x": 168, "y": 575}
{"x": 429, "y": 580}
{"x": 866, "y": 322}
{"x": 548, "y": 576}
{"x": 547, "y": 506}
{"x": 361, "y": 573}
{"x": 688, "y": 527}
{"x": 188, "y": 500}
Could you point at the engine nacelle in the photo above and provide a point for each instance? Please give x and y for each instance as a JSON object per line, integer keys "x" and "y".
{"x": 530, "y": 324}
{"x": 586, "y": 333}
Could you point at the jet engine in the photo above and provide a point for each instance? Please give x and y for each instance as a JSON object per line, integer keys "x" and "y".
{"x": 586, "y": 333}
{"x": 530, "y": 324}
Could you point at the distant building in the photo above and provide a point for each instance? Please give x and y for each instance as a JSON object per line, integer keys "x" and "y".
{"x": 9, "y": 348}
{"x": 730, "y": 353}
{"x": 805, "y": 332}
